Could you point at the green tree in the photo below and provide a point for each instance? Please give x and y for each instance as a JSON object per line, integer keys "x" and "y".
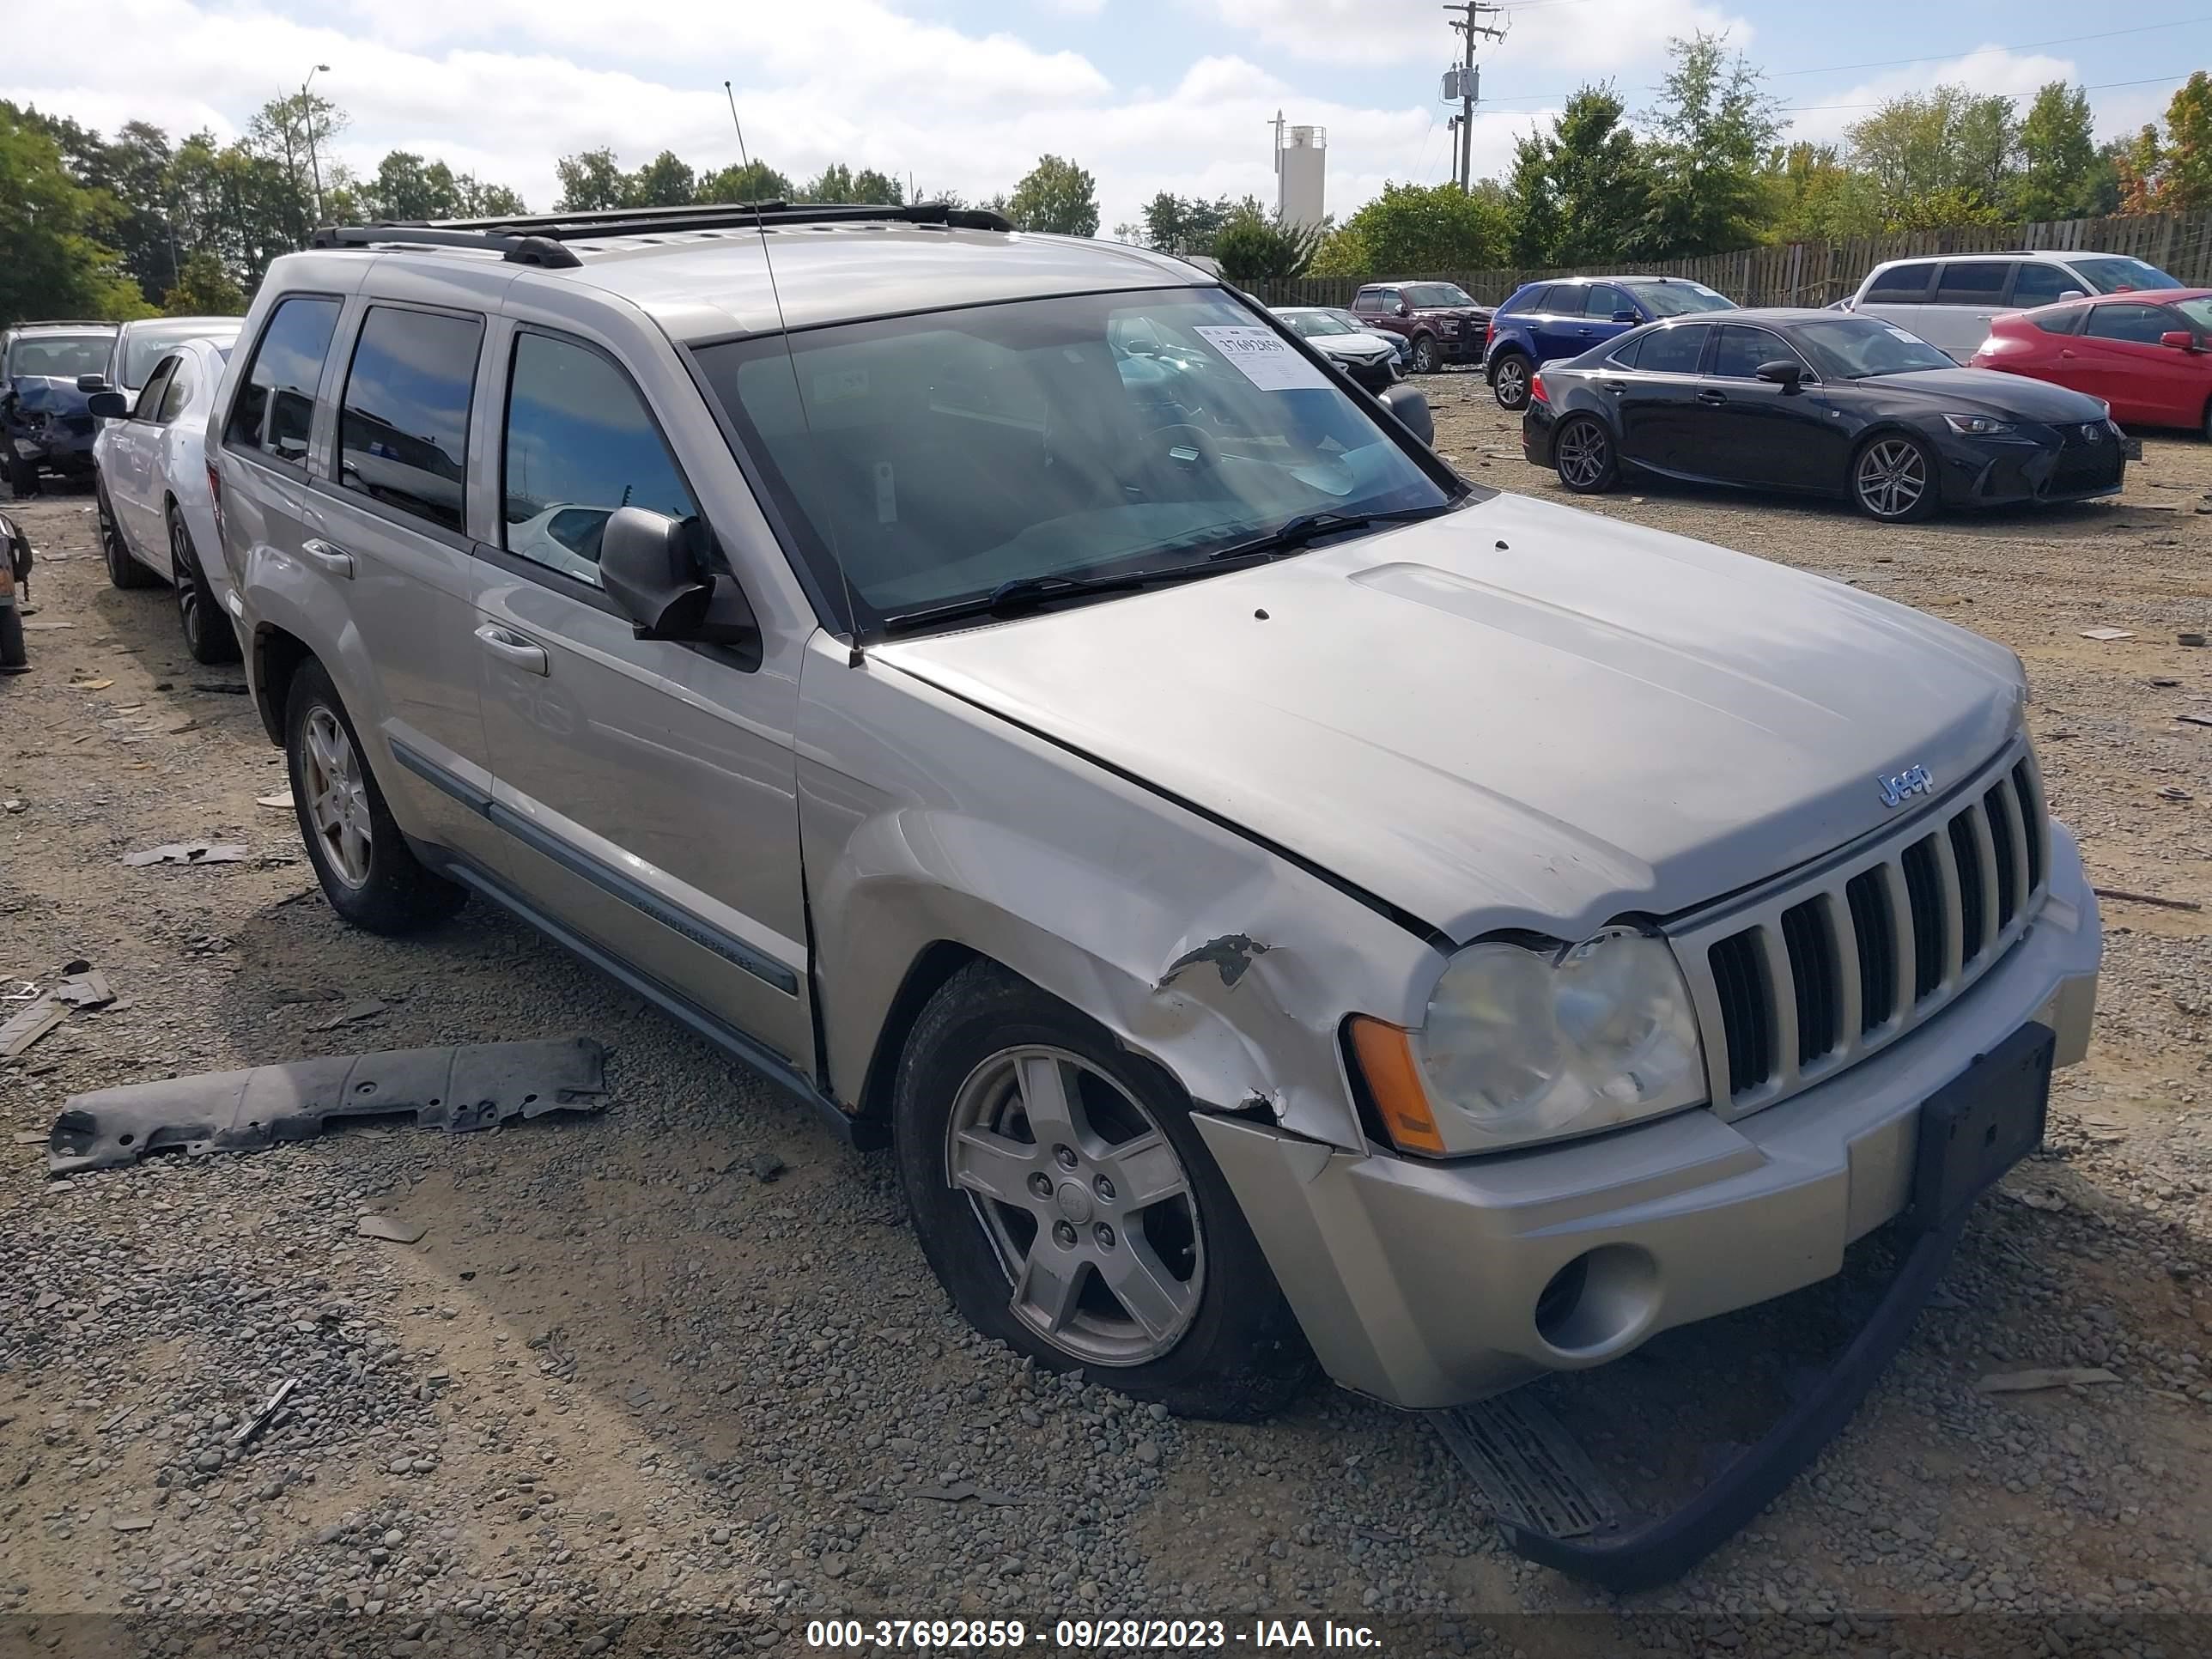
{"x": 2059, "y": 176}
{"x": 665, "y": 181}
{"x": 1173, "y": 224}
{"x": 590, "y": 180}
{"x": 1814, "y": 197}
{"x": 1535, "y": 202}
{"x": 870, "y": 185}
{"x": 1923, "y": 150}
{"x": 54, "y": 267}
{"x": 203, "y": 288}
{"x": 1412, "y": 229}
{"x": 1057, "y": 196}
{"x": 2185, "y": 165}
{"x": 1601, "y": 181}
{"x": 1254, "y": 247}
{"x": 291, "y": 136}
{"x": 756, "y": 181}
{"x": 833, "y": 183}
{"x": 1711, "y": 129}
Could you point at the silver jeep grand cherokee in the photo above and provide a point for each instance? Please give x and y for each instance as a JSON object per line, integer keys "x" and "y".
{"x": 1280, "y": 902}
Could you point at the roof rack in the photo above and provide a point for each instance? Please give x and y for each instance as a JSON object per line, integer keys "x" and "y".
{"x": 65, "y": 322}
{"x": 537, "y": 238}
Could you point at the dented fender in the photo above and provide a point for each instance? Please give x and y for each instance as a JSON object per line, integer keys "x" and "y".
{"x": 938, "y": 822}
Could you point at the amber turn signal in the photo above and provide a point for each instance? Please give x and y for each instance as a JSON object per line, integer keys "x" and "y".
{"x": 1386, "y": 1061}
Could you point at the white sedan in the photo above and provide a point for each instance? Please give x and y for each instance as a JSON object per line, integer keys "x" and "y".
{"x": 155, "y": 518}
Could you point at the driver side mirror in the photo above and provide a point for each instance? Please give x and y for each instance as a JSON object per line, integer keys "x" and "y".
{"x": 1781, "y": 373}
{"x": 2180, "y": 339}
{"x": 92, "y": 383}
{"x": 1405, "y": 307}
{"x": 1626, "y": 316}
{"x": 655, "y": 567}
{"x": 106, "y": 405}
{"x": 2072, "y": 294}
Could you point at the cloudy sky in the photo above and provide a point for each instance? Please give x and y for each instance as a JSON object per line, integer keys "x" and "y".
{"x": 1150, "y": 94}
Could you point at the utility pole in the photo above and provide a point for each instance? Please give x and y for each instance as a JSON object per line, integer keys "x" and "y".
{"x": 1466, "y": 17}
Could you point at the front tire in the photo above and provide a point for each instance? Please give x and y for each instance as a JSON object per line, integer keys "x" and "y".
{"x": 1064, "y": 1200}
{"x": 123, "y": 570}
{"x": 1582, "y": 455}
{"x": 22, "y": 474}
{"x": 1424, "y": 354}
{"x": 208, "y": 633}
{"x": 1893, "y": 478}
{"x": 1509, "y": 381}
{"x": 370, "y": 875}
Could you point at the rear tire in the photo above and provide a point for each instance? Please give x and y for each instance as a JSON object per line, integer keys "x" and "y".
{"x": 1509, "y": 380}
{"x": 1051, "y": 1128}
{"x": 1583, "y": 455}
{"x": 370, "y": 875}
{"x": 1893, "y": 478}
{"x": 123, "y": 570}
{"x": 208, "y": 633}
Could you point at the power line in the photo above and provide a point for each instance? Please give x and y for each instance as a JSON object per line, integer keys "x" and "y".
{"x": 1890, "y": 63}
{"x": 2100, "y": 86}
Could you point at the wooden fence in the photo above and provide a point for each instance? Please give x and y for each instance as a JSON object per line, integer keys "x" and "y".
{"x": 1820, "y": 273}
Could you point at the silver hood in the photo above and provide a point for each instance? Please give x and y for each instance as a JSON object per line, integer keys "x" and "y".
{"x": 1516, "y": 715}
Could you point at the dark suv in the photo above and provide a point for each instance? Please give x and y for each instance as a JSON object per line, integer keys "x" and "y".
{"x": 44, "y": 424}
{"x": 1441, "y": 321}
{"x": 1566, "y": 317}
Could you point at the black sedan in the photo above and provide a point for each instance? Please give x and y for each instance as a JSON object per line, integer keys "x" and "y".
{"x": 1822, "y": 403}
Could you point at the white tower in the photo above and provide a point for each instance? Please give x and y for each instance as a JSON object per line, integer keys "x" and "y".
{"x": 1300, "y": 172}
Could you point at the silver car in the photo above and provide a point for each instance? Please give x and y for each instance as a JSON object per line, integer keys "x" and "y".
{"x": 1279, "y": 902}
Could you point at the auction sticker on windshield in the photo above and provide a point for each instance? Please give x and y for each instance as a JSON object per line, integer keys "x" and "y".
{"x": 1263, "y": 357}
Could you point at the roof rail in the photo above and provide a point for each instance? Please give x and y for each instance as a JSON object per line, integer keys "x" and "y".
{"x": 537, "y": 239}
{"x": 64, "y": 322}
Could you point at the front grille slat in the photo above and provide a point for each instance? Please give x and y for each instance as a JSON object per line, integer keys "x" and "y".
{"x": 1874, "y": 930}
{"x": 1811, "y": 978}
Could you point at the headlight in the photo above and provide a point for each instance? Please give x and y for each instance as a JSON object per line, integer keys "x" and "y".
{"x": 1448, "y": 328}
{"x": 1521, "y": 1046}
{"x": 1979, "y": 426}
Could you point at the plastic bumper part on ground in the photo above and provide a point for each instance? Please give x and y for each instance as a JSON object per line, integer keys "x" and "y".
{"x": 1433, "y": 1285}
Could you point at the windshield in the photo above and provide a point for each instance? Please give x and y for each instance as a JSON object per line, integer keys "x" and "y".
{"x": 1311, "y": 323}
{"x": 2197, "y": 311}
{"x": 1429, "y": 297}
{"x": 62, "y": 357}
{"x": 1853, "y": 349}
{"x": 927, "y": 460}
{"x": 143, "y": 348}
{"x": 2110, "y": 273}
{"x": 1679, "y": 298}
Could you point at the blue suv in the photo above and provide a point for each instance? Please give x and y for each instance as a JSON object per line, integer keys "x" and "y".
{"x": 1566, "y": 316}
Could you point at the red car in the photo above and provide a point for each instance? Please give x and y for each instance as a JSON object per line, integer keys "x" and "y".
{"x": 2144, "y": 352}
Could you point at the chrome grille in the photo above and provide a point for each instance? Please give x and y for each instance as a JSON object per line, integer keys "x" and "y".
{"x": 1816, "y": 973}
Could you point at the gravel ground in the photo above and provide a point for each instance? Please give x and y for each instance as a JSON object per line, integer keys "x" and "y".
{"x": 627, "y": 1395}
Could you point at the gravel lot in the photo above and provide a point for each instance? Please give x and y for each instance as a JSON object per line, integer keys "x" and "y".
{"x": 625, "y": 1394}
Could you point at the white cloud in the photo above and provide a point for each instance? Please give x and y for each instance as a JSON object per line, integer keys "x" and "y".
{"x": 1588, "y": 37}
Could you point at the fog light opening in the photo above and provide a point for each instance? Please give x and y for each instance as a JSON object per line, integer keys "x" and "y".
{"x": 1600, "y": 1302}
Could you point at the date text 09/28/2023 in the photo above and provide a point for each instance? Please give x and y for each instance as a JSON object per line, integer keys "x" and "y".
{"x": 1085, "y": 1635}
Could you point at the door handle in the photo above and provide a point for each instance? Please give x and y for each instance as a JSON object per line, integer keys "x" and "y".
{"x": 1585, "y": 331}
{"x": 1712, "y": 397}
{"x": 327, "y": 555}
{"x": 511, "y": 648}
{"x": 1615, "y": 386}
{"x": 2065, "y": 351}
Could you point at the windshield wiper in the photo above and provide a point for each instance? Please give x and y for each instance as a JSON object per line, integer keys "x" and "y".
{"x": 1023, "y": 593}
{"x": 1295, "y": 532}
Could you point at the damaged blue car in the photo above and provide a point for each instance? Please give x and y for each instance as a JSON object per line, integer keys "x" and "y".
{"x": 45, "y": 425}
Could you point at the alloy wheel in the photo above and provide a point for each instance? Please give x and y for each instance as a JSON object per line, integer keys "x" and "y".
{"x": 1510, "y": 383}
{"x": 1085, "y": 1204}
{"x": 190, "y": 591}
{"x": 1584, "y": 454}
{"x": 1892, "y": 479}
{"x": 337, "y": 797}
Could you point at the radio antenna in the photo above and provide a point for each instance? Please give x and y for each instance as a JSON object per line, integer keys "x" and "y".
{"x": 791, "y": 356}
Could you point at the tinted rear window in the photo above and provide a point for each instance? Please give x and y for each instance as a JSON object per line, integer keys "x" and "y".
{"x": 1972, "y": 281}
{"x": 1904, "y": 285}
{"x": 403, "y": 423}
{"x": 275, "y": 407}
{"x": 1674, "y": 350}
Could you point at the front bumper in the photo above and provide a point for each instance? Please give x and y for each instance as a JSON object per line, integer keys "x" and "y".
{"x": 2060, "y": 465}
{"x": 1419, "y": 1283}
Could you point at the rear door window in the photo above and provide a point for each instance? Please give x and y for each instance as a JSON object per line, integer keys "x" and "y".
{"x": 1624, "y": 355}
{"x": 2039, "y": 284}
{"x": 404, "y": 422}
{"x": 2057, "y": 321}
{"x": 1901, "y": 285}
{"x": 1972, "y": 281}
{"x": 580, "y": 444}
{"x": 275, "y": 408}
{"x": 1674, "y": 350}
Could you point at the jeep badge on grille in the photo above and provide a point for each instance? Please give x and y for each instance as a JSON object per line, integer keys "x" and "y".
{"x": 1913, "y": 781}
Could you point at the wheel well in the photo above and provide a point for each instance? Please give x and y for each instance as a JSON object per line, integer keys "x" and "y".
{"x": 937, "y": 964}
{"x": 277, "y": 657}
